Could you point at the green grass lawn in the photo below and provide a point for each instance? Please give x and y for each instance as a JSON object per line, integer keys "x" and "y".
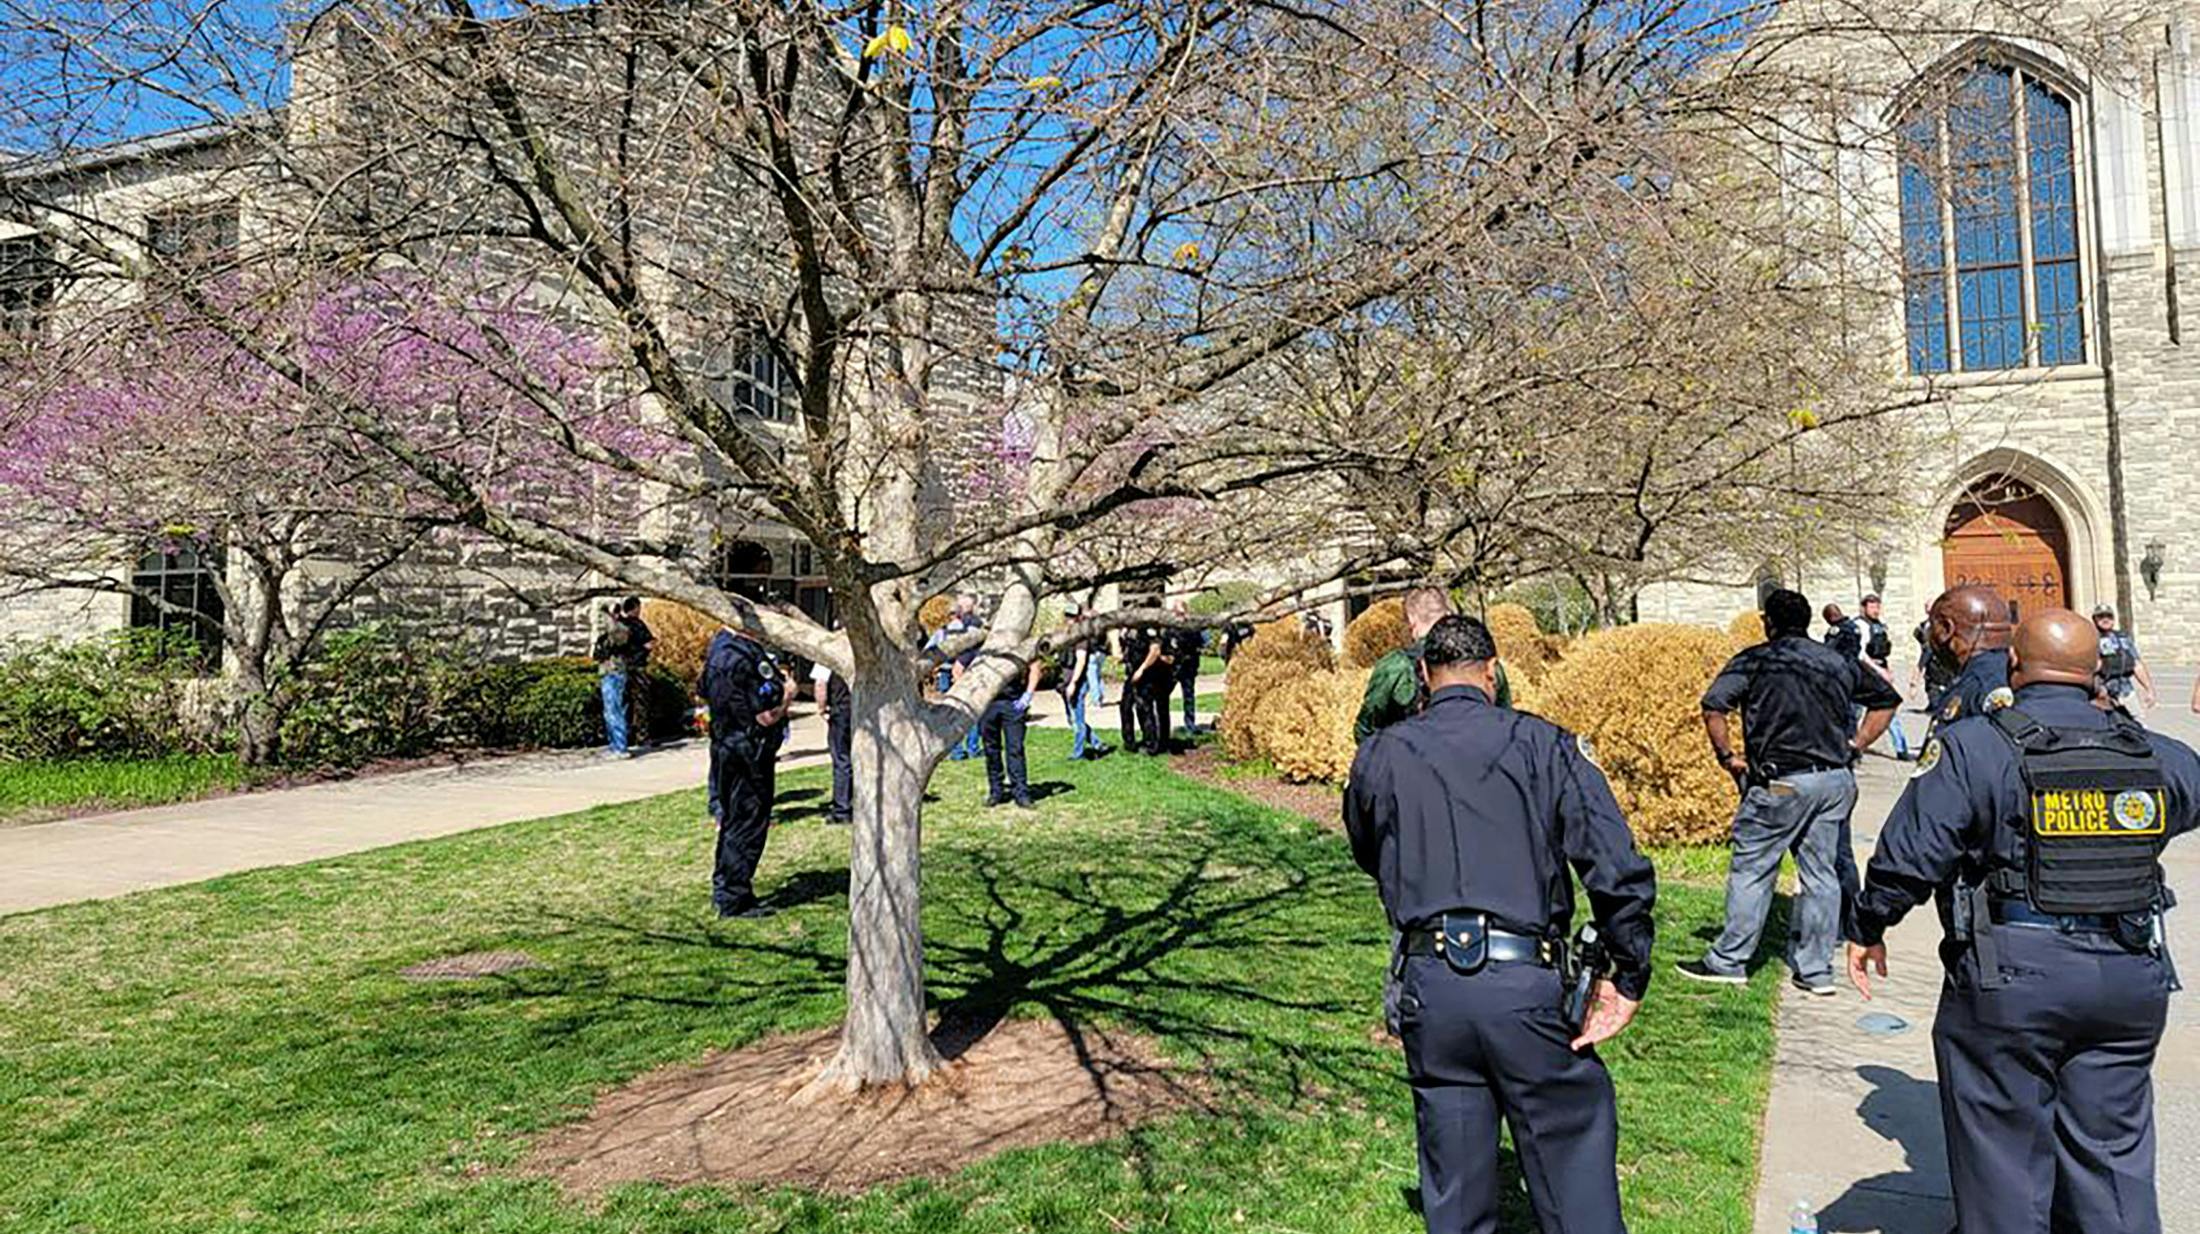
{"x": 241, "y": 1054}
{"x": 37, "y": 789}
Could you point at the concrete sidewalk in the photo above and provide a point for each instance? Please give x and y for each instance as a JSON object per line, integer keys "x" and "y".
{"x": 91, "y": 858}
{"x": 1853, "y": 1125}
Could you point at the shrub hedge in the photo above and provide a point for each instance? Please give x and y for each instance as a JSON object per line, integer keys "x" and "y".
{"x": 1376, "y": 633}
{"x": 683, "y": 637}
{"x": 1521, "y": 644}
{"x": 1288, "y": 641}
{"x": 1247, "y": 684}
{"x": 1747, "y": 628}
{"x": 127, "y": 694}
{"x": 1304, "y": 726}
{"x": 1635, "y": 693}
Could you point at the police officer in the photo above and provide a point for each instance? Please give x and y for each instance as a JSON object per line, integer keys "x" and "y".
{"x": 2039, "y": 829}
{"x": 1469, "y": 818}
{"x": 1970, "y": 633}
{"x": 1186, "y": 646}
{"x": 1878, "y": 653}
{"x": 1798, "y": 788}
{"x": 1149, "y": 677}
{"x": 2121, "y": 667}
{"x": 748, "y": 713}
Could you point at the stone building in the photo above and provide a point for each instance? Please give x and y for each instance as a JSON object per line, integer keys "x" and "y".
{"x": 204, "y": 198}
{"x": 2046, "y": 209}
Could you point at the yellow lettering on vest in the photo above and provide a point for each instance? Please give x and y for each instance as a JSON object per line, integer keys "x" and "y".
{"x": 2077, "y": 812}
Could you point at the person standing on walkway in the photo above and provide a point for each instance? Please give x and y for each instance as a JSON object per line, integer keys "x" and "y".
{"x": 1878, "y": 650}
{"x": 620, "y": 652}
{"x": 2039, "y": 829}
{"x": 1469, "y": 818}
{"x": 1003, "y": 724}
{"x": 1797, "y": 783}
{"x": 2121, "y": 667}
{"x": 1970, "y": 634}
{"x": 748, "y": 714}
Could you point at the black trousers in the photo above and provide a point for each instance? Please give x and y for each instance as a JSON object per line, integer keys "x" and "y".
{"x": 1189, "y": 687}
{"x": 745, "y": 786}
{"x": 1493, "y": 1046}
{"x": 840, "y": 743}
{"x": 1001, "y": 730}
{"x": 2047, "y": 1085}
{"x": 1148, "y": 701}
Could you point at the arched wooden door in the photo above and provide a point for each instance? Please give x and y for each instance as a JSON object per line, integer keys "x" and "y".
{"x": 2003, "y": 534}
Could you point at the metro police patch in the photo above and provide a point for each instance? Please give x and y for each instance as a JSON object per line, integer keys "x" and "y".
{"x": 1927, "y": 760}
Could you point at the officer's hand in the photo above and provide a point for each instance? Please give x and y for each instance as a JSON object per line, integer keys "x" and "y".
{"x": 1609, "y": 1012}
{"x": 1736, "y": 765}
{"x": 1862, "y": 960}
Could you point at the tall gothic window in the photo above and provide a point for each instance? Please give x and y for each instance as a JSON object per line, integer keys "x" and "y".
{"x": 1990, "y": 226}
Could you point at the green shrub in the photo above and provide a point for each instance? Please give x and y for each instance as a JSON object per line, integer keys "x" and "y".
{"x": 120, "y": 695}
{"x": 373, "y": 692}
{"x": 557, "y": 704}
{"x": 1223, "y": 598}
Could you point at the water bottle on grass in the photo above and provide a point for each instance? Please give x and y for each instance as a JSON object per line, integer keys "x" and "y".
{"x": 1801, "y": 1220}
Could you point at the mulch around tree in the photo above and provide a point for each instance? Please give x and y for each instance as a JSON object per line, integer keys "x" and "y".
{"x": 733, "y": 1118}
{"x": 1318, "y": 802}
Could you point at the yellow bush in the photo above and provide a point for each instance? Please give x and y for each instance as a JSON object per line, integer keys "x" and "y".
{"x": 1521, "y": 644}
{"x": 1747, "y": 628}
{"x": 683, "y": 637}
{"x": 1376, "y": 633}
{"x": 1636, "y": 693}
{"x": 1248, "y": 683}
{"x": 1304, "y": 725}
{"x": 932, "y": 614}
{"x": 1288, "y": 641}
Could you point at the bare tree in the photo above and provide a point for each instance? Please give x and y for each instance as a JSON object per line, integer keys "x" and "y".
{"x": 1030, "y": 296}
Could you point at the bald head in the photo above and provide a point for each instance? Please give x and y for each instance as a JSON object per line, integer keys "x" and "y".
{"x": 1424, "y": 607}
{"x": 2056, "y": 646}
{"x": 1968, "y": 620}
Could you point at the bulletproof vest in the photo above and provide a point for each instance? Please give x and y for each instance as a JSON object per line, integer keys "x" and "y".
{"x": 1878, "y": 646}
{"x": 2095, "y": 818}
{"x": 2119, "y": 659}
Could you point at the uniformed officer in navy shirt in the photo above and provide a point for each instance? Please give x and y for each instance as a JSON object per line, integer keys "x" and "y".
{"x": 748, "y": 721}
{"x": 1469, "y": 817}
{"x": 2039, "y": 828}
{"x": 1970, "y": 631}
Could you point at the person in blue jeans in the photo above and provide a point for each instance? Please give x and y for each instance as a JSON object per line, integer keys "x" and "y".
{"x": 1798, "y": 787}
{"x": 963, "y": 620}
{"x": 1081, "y": 689}
{"x": 620, "y": 650}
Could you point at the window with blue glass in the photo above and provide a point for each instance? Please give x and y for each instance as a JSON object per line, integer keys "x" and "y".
{"x": 1989, "y": 205}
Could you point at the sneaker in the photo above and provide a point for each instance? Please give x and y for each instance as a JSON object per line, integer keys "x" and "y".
{"x": 752, "y": 910}
{"x": 1816, "y": 987}
{"x": 1697, "y": 970}
{"x": 994, "y": 802}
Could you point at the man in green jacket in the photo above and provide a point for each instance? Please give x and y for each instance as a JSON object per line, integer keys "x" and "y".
{"x": 1394, "y": 688}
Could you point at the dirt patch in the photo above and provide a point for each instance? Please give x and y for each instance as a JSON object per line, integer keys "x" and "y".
{"x": 1318, "y": 802}
{"x": 732, "y": 1118}
{"x": 468, "y": 964}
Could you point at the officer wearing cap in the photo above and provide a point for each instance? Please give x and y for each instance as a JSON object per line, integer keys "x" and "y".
{"x": 2039, "y": 829}
{"x": 1970, "y": 633}
{"x": 2121, "y": 667}
{"x": 1469, "y": 818}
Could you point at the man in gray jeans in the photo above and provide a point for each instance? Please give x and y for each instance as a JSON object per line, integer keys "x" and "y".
{"x": 1799, "y": 741}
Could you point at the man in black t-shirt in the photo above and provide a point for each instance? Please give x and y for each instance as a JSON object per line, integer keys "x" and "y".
{"x": 1797, "y": 788}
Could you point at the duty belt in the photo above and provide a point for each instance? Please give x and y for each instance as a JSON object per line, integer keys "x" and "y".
{"x": 2019, "y": 913}
{"x": 1503, "y": 946}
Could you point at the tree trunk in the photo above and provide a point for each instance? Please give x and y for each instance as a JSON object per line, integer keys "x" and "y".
{"x": 886, "y": 1040}
{"x": 260, "y": 720}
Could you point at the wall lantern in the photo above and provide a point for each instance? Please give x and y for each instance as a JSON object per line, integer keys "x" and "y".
{"x": 2150, "y": 568}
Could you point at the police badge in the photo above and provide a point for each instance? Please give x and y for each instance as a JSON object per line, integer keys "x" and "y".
{"x": 2002, "y": 697}
{"x": 1953, "y": 709}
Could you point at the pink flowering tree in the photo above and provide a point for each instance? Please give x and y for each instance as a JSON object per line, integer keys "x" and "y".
{"x": 157, "y": 433}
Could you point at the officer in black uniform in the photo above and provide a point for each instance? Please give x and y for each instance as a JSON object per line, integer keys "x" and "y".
{"x": 1970, "y": 633}
{"x": 747, "y": 696}
{"x": 1469, "y": 816}
{"x": 2039, "y": 829}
